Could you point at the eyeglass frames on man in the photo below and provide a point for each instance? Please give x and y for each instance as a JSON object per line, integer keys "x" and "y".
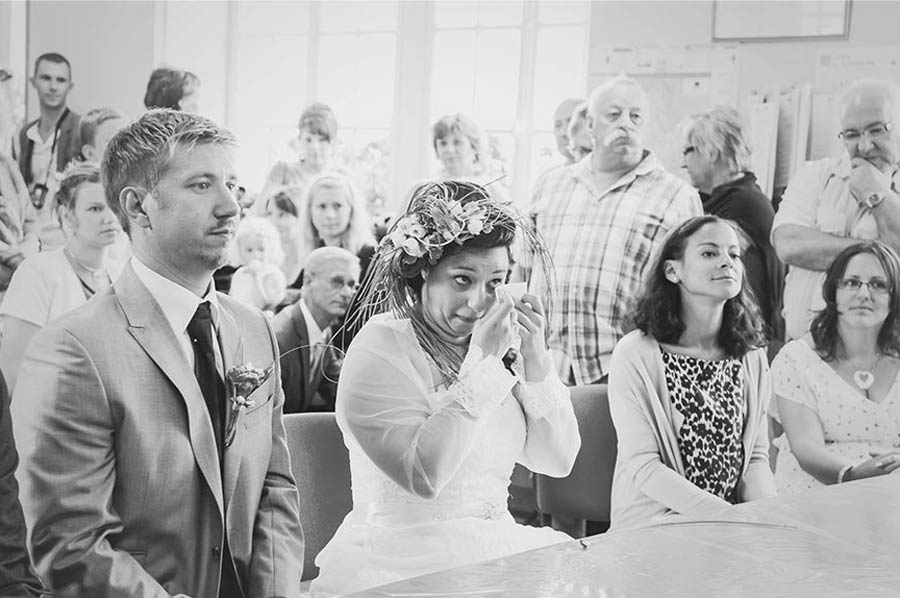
{"x": 874, "y": 131}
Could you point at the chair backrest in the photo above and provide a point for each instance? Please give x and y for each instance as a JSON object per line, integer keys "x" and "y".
{"x": 585, "y": 492}
{"x": 321, "y": 466}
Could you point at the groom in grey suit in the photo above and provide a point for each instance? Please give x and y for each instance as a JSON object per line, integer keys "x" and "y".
{"x": 142, "y": 473}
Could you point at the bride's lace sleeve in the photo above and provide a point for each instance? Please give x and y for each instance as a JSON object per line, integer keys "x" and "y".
{"x": 417, "y": 435}
{"x": 553, "y": 440}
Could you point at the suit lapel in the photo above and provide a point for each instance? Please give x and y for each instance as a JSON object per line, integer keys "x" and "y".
{"x": 232, "y": 354}
{"x": 149, "y": 327}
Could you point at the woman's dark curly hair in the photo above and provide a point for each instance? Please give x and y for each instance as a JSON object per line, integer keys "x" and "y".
{"x": 824, "y": 328}
{"x": 658, "y": 310}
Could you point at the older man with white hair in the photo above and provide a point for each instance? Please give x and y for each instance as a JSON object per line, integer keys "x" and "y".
{"x": 310, "y": 365}
{"x": 833, "y": 203}
{"x": 602, "y": 220}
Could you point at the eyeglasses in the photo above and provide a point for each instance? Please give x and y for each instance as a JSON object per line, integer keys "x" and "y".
{"x": 688, "y": 150}
{"x": 876, "y": 131}
{"x": 875, "y": 285}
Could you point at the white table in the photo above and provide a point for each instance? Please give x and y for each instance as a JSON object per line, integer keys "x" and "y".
{"x": 835, "y": 542}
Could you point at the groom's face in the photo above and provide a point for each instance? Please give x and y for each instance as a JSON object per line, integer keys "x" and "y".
{"x": 193, "y": 211}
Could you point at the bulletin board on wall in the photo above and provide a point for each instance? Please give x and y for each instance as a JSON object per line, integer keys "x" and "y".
{"x": 784, "y": 19}
{"x": 679, "y": 81}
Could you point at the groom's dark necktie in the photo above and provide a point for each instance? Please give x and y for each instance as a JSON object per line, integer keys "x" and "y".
{"x": 201, "y": 332}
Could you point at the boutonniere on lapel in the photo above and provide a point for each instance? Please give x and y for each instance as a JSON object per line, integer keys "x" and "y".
{"x": 241, "y": 381}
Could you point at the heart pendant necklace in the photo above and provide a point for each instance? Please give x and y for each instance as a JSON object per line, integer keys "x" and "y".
{"x": 865, "y": 378}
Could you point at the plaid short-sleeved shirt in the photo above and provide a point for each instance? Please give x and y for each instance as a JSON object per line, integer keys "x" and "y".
{"x": 600, "y": 241}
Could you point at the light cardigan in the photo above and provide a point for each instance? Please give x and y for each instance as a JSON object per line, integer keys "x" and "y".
{"x": 649, "y": 480}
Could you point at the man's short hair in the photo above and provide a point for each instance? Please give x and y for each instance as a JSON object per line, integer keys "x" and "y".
{"x": 141, "y": 153}
{"x": 608, "y": 86}
{"x": 167, "y": 87}
{"x": 313, "y": 263}
{"x": 55, "y": 58}
{"x": 91, "y": 121}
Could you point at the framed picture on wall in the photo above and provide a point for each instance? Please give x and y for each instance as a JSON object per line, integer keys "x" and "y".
{"x": 754, "y": 20}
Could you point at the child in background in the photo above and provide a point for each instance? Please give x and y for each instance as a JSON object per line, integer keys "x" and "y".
{"x": 259, "y": 281}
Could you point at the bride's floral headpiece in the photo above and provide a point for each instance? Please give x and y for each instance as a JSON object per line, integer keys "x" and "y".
{"x": 440, "y": 217}
{"x": 433, "y": 224}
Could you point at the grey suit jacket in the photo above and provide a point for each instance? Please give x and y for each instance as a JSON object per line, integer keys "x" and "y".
{"x": 121, "y": 483}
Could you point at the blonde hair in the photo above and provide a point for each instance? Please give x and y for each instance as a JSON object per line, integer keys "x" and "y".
{"x": 358, "y": 233}
{"x": 718, "y": 137}
{"x": 255, "y": 226}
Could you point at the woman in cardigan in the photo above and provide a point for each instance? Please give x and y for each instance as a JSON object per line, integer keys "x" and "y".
{"x": 689, "y": 389}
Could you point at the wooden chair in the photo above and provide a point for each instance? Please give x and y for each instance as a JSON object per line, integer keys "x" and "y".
{"x": 584, "y": 495}
{"x": 321, "y": 466}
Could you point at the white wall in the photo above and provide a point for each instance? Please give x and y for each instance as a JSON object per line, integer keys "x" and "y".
{"x": 195, "y": 37}
{"x": 763, "y": 64}
{"x": 109, "y": 44}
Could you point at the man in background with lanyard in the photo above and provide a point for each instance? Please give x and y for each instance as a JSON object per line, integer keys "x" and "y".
{"x": 45, "y": 146}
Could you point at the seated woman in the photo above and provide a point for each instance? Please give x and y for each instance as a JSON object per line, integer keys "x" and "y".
{"x": 689, "y": 389}
{"x": 333, "y": 215}
{"x": 432, "y": 418}
{"x": 837, "y": 389}
{"x": 717, "y": 159}
{"x": 49, "y": 284}
{"x": 318, "y": 128}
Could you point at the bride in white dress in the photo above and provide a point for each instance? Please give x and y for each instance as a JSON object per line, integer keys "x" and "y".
{"x": 432, "y": 411}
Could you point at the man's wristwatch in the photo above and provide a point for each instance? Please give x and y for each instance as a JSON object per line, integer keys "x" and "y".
{"x": 873, "y": 199}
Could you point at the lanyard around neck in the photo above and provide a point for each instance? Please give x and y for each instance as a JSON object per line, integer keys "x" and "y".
{"x": 56, "y": 129}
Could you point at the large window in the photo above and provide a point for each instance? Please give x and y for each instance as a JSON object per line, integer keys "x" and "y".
{"x": 508, "y": 64}
{"x": 476, "y": 70}
{"x": 389, "y": 69}
{"x": 269, "y": 65}
{"x": 356, "y": 56}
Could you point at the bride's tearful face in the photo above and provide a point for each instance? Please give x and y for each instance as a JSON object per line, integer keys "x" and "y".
{"x": 461, "y": 288}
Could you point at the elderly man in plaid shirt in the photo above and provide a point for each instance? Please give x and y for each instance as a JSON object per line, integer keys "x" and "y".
{"x": 602, "y": 219}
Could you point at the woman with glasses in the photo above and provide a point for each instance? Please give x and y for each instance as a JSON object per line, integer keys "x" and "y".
{"x": 837, "y": 389}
